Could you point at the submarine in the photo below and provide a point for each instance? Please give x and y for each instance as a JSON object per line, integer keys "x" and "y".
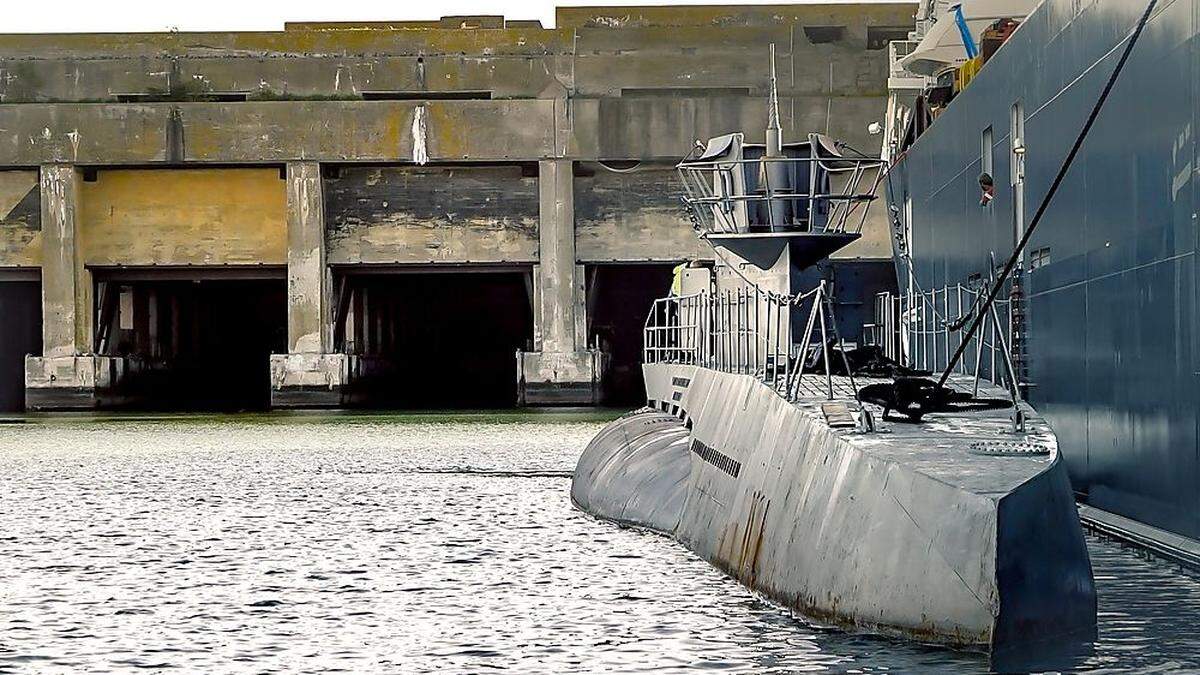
{"x": 818, "y": 472}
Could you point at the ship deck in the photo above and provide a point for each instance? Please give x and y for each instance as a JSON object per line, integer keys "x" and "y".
{"x": 944, "y": 445}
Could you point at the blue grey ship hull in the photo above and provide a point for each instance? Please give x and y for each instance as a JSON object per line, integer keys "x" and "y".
{"x": 1112, "y": 337}
{"x": 902, "y": 532}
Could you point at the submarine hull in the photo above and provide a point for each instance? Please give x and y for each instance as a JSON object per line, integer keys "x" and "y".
{"x": 903, "y": 532}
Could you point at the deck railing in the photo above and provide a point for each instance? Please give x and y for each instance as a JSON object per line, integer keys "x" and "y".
{"x": 749, "y": 331}
{"x": 923, "y": 329}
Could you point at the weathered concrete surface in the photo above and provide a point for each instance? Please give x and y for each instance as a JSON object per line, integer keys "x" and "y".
{"x": 180, "y": 217}
{"x": 380, "y": 131}
{"x": 458, "y": 214}
{"x": 303, "y": 380}
{"x": 66, "y": 283}
{"x": 480, "y": 98}
{"x": 856, "y": 17}
{"x": 558, "y": 280}
{"x": 74, "y": 382}
{"x": 561, "y": 370}
{"x": 560, "y": 378}
{"x": 309, "y": 374}
{"x": 66, "y": 375}
{"x": 904, "y": 532}
{"x": 275, "y": 131}
{"x": 308, "y": 277}
{"x": 20, "y": 220}
{"x": 701, "y": 66}
{"x": 298, "y": 62}
{"x": 640, "y": 204}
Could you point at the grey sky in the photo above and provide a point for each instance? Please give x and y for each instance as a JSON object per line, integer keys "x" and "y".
{"x": 67, "y": 16}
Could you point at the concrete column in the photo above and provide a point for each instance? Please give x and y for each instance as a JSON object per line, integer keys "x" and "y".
{"x": 562, "y": 370}
{"x": 556, "y": 246}
{"x": 66, "y": 315}
{"x": 307, "y": 277}
{"x": 66, "y": 375}
{"x": 309, "y": 375}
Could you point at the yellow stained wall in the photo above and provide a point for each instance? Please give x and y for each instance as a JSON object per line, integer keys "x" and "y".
{"x": 20, "y": 241}
{"x": 184, "y": 217}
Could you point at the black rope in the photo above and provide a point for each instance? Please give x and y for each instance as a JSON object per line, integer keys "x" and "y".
{"x": 1037, "y": 217}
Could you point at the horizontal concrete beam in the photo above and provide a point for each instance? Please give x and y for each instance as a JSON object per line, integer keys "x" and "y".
{"x": 292, "y": 43}
{"x": 604, "y": 63}
{"x": 617, "y": 18}
{"x": 667, "y": 128}
{"x": 277, "y": 131}
{"x": 596, "y": 52}
{"x": 662, "y": 127}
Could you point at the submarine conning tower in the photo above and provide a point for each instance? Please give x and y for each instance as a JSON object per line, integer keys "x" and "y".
{"x": 772, "y": 211}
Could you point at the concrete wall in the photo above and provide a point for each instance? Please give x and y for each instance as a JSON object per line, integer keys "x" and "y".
{"x": 20, "y": 219}
{"x": 183, "y": 217}
{"x": 641, "y": 204}
{"x": 432, "y": 214}
{"x": 625, "y": 83}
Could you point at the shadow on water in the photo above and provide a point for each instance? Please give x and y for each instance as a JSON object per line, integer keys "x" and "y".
{"x": 1058, "y": 655}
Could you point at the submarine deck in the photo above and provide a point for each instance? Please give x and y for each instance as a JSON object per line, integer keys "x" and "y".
{"x": 945, "y": 445}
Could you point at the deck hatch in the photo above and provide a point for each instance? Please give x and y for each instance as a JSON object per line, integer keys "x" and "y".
{"x": 837, "y": 414}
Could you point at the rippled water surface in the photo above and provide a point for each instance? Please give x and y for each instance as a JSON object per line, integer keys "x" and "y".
{"x": 413, "y": 544}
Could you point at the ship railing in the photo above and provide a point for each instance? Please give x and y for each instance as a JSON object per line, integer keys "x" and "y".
{"x": 922, "y": 330}
{"x": 897, "y": 50}
{"x": 825, "y": 194}
{"x": 750, "y": 331}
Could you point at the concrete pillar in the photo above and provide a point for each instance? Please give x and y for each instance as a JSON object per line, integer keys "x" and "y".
{"x": 556, "y": 255}
{"x": 310, "y": 374}
{"x": 67, "y": 375}
{"x": 561, "y": 370}
{"x": 307, "y": 276}
{"x": 66, "y": 315}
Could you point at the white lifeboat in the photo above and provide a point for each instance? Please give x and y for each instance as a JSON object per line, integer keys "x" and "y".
{"x": 942, "y": 45}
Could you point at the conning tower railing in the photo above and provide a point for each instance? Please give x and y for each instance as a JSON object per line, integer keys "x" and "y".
{"x": 813, "y": 186}
{"x": 750, "y": 331}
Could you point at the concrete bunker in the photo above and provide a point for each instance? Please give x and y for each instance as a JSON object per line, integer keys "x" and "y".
{"x": 619, "y": 297}
{"x": 20, "y": 334}
{"x": 191, "y": 339}
{"x": 433, "y": 337}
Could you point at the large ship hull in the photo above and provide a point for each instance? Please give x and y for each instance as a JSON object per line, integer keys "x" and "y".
{"x": 903, "y": 532}
{"x": 1111, "y": 336}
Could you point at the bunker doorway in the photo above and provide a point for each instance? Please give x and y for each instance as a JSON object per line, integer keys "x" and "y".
{"x": 619, "y": 298}
{"x": 434, "y": 339}
{"x": 20, "y": 334}
{"x": 200, "y": 343}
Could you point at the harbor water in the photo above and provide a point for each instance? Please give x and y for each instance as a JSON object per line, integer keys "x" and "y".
{"x": 415, "y": 543}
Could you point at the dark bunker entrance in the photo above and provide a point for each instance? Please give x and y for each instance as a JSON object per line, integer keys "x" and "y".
{"x": 193, "y": 343}
{"x": 434, "y": 339}
{"x": 619, "y": 298}
{"x": 20, "y": 335}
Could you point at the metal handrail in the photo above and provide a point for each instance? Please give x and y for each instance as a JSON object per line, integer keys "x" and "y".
{"x": 918, "y": 329}
{"x": 717, "y": 195}
{"x": 745, "y": 331}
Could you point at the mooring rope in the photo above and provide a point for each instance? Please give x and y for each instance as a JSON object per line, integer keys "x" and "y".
{"x": 1058, "y": 179}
